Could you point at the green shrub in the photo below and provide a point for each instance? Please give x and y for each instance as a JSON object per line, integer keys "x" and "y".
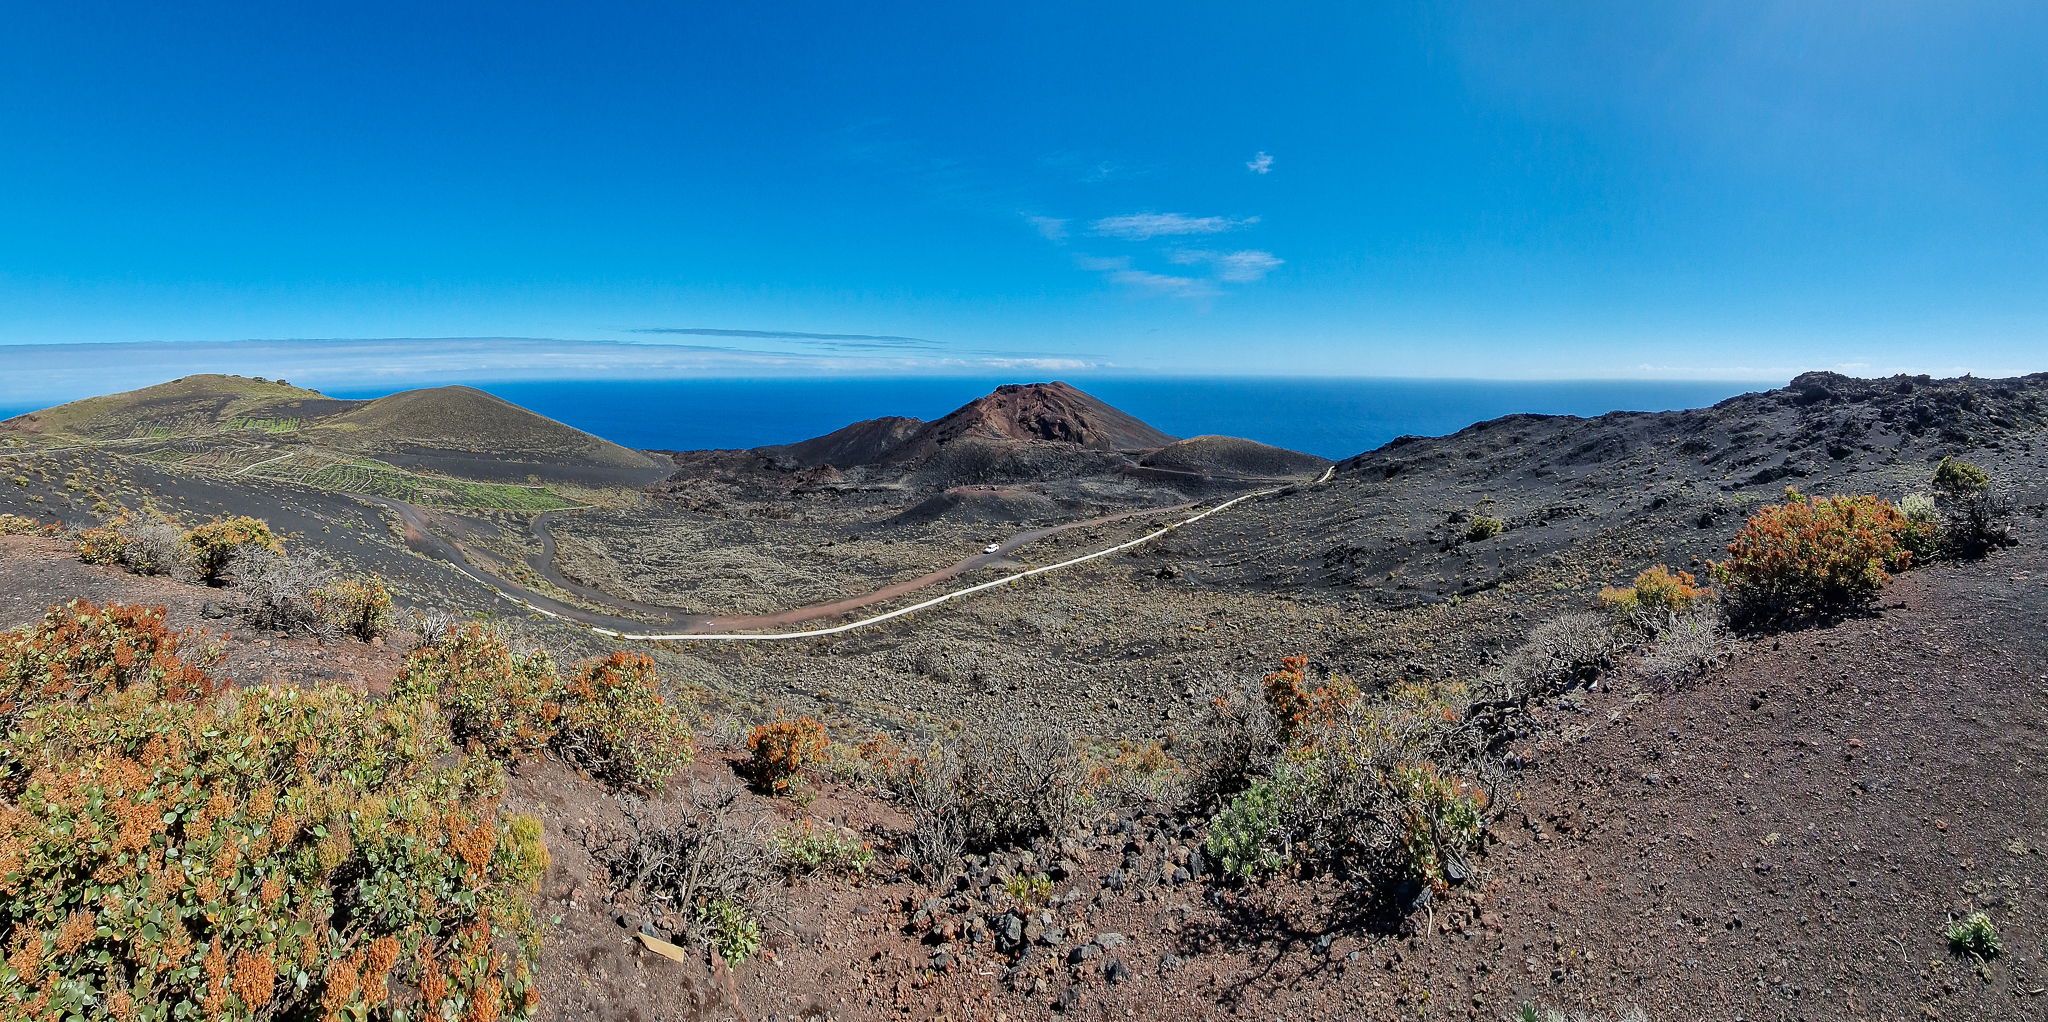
{"x": 614, "y": 723}
{"x": 1357, "y": 789}
{"x": 1957, "y": 477}
{"x": 1484, "y": 527}
{"x": 1975, "y": 935}
{"x": 1970, "y": 512}
{"x": 609, "y": 718}
{"x": 359, "y": 606}
{"x": 501, "y": 701}
{"x": 179, "y": 852}
{"x": 101, "y": 544}
{"x": 16, "y": 525}
{"x": 1032, "y": 890}
{"x": 731, "y": 930}
{"x": 806, "y": 848}
{"x": 214, "y": 546}
{"x": 1252, "y": 835}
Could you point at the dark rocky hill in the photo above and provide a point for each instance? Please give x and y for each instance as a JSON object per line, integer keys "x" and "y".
{"x": 862, "y": 443}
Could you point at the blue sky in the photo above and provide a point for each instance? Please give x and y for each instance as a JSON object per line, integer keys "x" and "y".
{"x": 1517, "y": 190}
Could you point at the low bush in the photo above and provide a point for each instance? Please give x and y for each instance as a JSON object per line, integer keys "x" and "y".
{"x": 101, "y": 544}
{"x": 1974, "y": 934}
{"x": 716, "y": 867}
{"x": 16, "y": 525}
{"x": 1139, "y": 776}
{"x": 214, "y": 546}
{"x": 1971, "y": 515}
{"x": 1687, "y": 646}
{"x": 1657, "y": 595}
{"x": 1558, "y": 654}
{"x": 82, "y": 650}
{"x": 279, "y": 590}
{"x": 615, "y": 723}
{"x": 807, "y": 848}
{"x": 153, "y": 548}
{"x": 359, "y": 607}
{"x": 781, "y": 750}
{"x": 1358, "y": 789}
{"x": 1012, "y": 787}
{"x": 1484, "y": 527}
{"x": 1813, "y": 557}
{"x": 178, "y": 850}
{"x": 609, "y": 718}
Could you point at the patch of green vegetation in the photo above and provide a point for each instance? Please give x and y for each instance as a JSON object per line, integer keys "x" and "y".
{"x": 1974, "y": 935}
{"x": 380, "y": 480}
{"x": 264, "y": 425}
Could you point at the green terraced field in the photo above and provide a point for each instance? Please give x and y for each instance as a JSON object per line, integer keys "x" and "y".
{"x": 431, "y": 491}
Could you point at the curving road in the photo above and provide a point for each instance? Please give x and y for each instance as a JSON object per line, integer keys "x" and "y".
{"x": 707, "y": 628}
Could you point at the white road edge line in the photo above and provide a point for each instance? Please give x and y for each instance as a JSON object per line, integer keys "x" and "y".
{"x": 813, "y": 633}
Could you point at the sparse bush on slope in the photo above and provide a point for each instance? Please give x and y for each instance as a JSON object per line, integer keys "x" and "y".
{"x": 359, "y": 606}
{"x": 214, "y": 546}
{"x": 1970, "y": 510}
{"x": 1358, "y": 789}
{"x": 173, "y": 850}
{"x": 608, "y": 718}
{"x": 1813, "y": 556}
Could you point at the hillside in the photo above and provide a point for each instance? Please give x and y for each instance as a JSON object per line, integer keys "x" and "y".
{"x": 1229, "y": 455}
{"x": 1617, "y": 490}
{"x": 1036, "y": 413}
{"x": 237, "y": 423}
{"x": 464, "y": 431}
{"x": 203, "y": 403}
{"x": 862, "y": 443}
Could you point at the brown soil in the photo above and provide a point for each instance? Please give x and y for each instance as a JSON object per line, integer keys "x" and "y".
{"x": 37, "y": 573}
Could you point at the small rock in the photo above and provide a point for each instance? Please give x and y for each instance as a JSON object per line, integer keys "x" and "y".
{"x": 1082, "y": 954}
{"x": 1116, "y": 971}
{"x": 1110, "y": 940}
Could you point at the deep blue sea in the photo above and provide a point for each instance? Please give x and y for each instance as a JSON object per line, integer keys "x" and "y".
{"x": 1335, "y": 418}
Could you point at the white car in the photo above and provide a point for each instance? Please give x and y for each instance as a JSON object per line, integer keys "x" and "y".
{"x": 991, "y": 548}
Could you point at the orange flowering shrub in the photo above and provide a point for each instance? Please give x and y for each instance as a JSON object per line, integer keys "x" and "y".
{"x": 359, "y": 606}
{"x": 101, "y": 544}
{"x": 81, "y": 650}
{"x": 1299, "y": 707}
{"x": 16, "y": 525}
{"x": 1814, "y": 556}
{"x": 1658, "y": 592}
{"x": 213, "y": 546}
{"x": 272, "y": 852}
{"x": 616, "y": 724}
{"x": 501, "y": 700}
{"x": 781, "y": 749}
{"x": 609, "y": 718}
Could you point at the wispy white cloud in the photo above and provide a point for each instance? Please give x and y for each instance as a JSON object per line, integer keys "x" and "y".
{"x": 1118, "y": 270}
{"x": 51, "y": 373}
{"x": 1146, "y": 226}
{"x": 1260, "y": 164}
{"x": 1051, "y": 228}
{"x": 1164, "y": 284}
{"x": 1240, "y": 267}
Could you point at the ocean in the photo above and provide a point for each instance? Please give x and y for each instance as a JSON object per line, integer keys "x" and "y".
{"x": 1335, "y": 418}
{"x": 1332, "y": 417}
